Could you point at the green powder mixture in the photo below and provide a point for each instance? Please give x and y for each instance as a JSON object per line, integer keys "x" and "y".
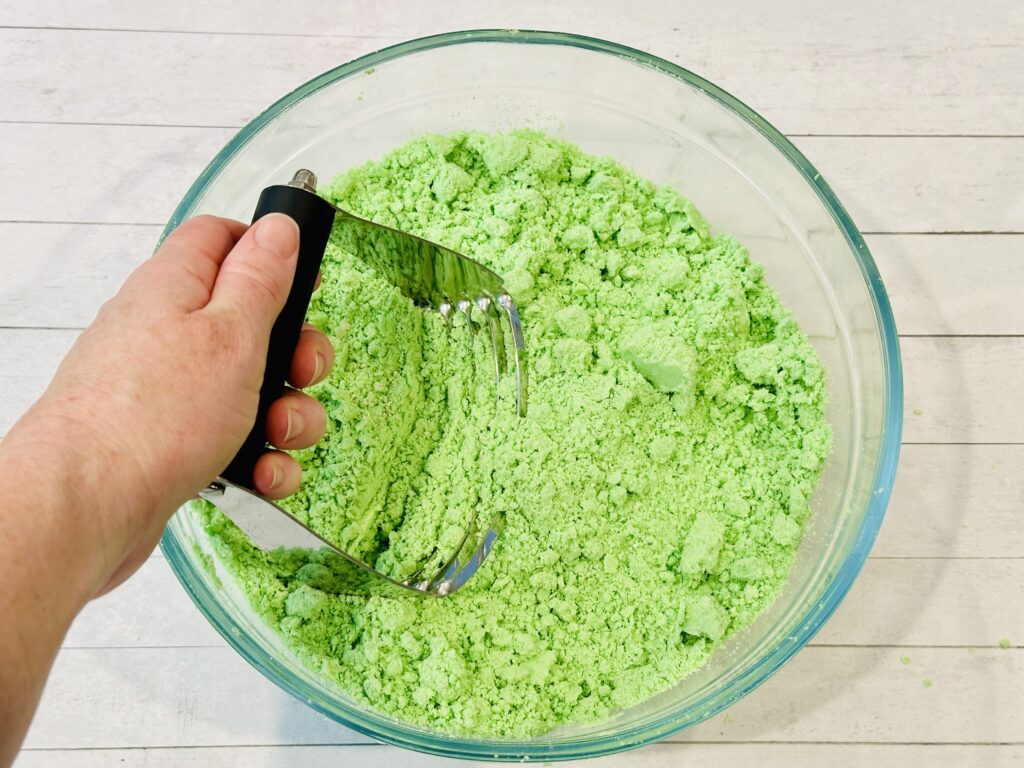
{"x": 654, "y": 496}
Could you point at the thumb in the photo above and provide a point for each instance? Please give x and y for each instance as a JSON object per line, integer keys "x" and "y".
{"x": 255, "y": 278}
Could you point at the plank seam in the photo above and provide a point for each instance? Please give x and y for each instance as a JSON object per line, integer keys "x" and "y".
{"x": 207, "y": 32}
{"x": 239, "y": 126}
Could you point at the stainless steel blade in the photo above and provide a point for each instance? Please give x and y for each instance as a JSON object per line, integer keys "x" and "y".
{"x": 272, "y": 528}
{"x": 428, "y": 273}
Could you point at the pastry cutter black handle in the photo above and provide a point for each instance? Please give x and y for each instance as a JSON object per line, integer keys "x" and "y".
{"x": 315, "y": 217}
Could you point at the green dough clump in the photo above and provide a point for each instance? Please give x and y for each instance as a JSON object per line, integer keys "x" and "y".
{"x": 705, "y": 617}
{"x": 654, "y": 496}
{"x": 663, "y": 358}
{"x": 703, "y": 543}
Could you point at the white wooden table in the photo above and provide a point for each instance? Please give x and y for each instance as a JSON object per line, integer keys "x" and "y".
{"x": 914, "y": 111}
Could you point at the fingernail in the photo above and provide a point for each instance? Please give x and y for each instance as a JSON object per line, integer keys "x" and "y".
{"x": 278, "y": 234}
{"x": 275, "y": 479}
{"x": 295, "y": 425}
{"x": 319, "y": 368}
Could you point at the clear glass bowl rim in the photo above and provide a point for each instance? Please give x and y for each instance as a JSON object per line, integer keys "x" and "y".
{"x": 411, "y": 737}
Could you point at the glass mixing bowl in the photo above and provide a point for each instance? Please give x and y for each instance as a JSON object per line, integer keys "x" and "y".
{"x": 674, "y": 128}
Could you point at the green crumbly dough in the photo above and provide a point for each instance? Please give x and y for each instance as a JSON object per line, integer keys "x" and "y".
{"x": 654, "y": 496}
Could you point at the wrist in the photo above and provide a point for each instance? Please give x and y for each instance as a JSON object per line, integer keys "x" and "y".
{"x": 83, "y": 497}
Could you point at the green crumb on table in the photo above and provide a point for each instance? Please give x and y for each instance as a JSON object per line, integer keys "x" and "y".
{"x": 918, "y": 411}
{"x": 904, "y": 659}
{"x": 1004, "y": 643}
{"x": 654, "y": 496}
{"x": 927, "y": 683}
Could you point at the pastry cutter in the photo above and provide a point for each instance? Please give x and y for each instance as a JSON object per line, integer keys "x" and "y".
{"x": 433, "y": 277}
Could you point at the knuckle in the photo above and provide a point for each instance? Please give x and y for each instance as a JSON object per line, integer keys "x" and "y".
{"x": 202, "y": 230}
{"x": 187, "y": 228}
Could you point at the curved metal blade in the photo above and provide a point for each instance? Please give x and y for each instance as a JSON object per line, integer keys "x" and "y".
{"x": 426, "y": 272}
{"x": 272, "y": 528}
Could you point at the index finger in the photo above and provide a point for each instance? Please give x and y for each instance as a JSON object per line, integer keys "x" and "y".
{"x": 184, "y": 268}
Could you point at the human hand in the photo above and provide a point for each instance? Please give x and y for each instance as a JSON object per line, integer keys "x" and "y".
{"x": 157, "y": 395}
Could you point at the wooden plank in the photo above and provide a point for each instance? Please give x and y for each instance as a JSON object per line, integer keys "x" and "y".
{"x": 171, "y": 697}
{"x": 920, "y": 602}
{"x": 30, "y": 359}
{"x": 59, "y": 274}
{"x": 692, "y": 755}
{"x": 867, "y": 694}
{"x": 151, "y": 609}
{"x": 181, "y": 80}
{"x": 945, "y": 184}
{"x": 100, "y": 174}
{"x": 957, "y": 389}
{"x": 137, "y": 174}
{"x": 953, "y": 284}
{"x": 208, "y": 697}
{"x": 943, "y": 67}
{"x": 895, "y": 602}
{"x": 952, "y": 384}
{"x": 955, "y": 501}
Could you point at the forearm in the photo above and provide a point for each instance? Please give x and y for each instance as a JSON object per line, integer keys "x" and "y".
{"x": 56, "y": 551}
{"x": 151, "y": 402}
